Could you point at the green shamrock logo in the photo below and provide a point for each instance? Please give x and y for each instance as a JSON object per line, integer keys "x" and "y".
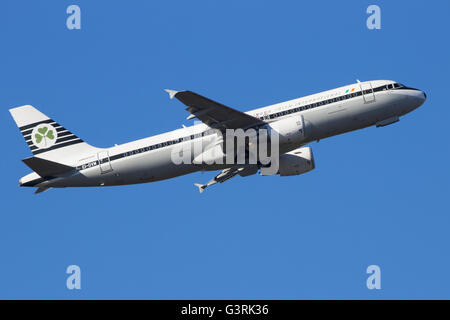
{"x": 43, "y": 134}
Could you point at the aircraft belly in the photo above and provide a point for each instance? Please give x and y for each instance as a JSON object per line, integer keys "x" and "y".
{"x": 153, "y": 166}
{"x": 327, "y": 122}
{"x": 367, "y": 114}
{"x": 338, "y": 119}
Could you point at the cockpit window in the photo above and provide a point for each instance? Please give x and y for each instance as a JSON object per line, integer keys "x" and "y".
{"x": 399, "y": 86}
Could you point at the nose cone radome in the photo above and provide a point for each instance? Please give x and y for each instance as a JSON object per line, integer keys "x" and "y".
{"x": 418, "y": 98}
{"x": 421, "y": 97}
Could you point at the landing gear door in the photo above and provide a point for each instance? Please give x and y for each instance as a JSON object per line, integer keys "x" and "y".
{"x": 367, "y": 91}
{"x": 104, "y": 162}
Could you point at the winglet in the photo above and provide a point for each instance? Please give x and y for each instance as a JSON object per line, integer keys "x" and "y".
{"x": 201, "y": 187}
{"x": 171, "y": 93}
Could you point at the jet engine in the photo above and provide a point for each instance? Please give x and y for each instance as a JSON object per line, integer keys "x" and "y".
{"x": 290, "y": 129}
{"x": 296, "y": 162}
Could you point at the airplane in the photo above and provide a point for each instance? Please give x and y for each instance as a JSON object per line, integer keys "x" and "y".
{"x": 61, "y": 159}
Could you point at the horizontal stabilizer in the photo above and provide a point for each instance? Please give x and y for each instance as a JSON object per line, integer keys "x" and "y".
{"x": 41, "y": 189}
{"x": 46, "y": 168}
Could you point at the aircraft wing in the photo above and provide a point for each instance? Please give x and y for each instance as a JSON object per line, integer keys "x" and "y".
{"x": 212, "y": 113}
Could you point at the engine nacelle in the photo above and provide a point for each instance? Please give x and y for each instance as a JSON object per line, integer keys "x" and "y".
{"x": 290, "y": 129}
{"x": 296, "y": 162}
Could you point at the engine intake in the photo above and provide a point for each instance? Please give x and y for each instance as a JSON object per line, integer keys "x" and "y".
{"x": 290, "y": 129}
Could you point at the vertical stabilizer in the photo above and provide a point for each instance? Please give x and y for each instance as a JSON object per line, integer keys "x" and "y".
{"x": 45, "y": 137}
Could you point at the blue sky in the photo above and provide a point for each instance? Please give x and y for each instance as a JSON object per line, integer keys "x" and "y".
{"x": 377, "y": 196}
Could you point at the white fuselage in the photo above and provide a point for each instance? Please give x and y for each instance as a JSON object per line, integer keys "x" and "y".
{"x": 325, "y": 114}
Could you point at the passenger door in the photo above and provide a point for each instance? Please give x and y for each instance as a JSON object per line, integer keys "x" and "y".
{"x": 367, "y": 92}
{"x": 104, "y": 162}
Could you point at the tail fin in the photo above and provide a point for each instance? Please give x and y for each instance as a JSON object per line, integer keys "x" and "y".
{"x": 43, "y": 134}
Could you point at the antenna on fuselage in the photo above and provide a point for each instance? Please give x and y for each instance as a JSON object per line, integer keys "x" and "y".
{"x": 357, "y": 80}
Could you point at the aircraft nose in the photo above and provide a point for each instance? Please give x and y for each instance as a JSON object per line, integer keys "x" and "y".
{"x": 420, "y": 98}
